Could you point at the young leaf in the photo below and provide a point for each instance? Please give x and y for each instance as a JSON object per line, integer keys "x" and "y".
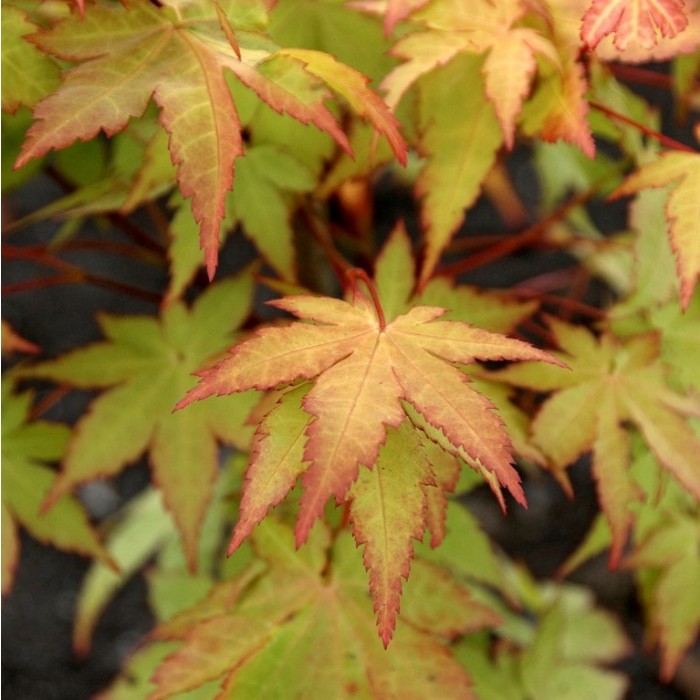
{"x": 145, "y": 365}
{"x": 682, "y": 171}
{"x": 27, "y": 447}
{"x": 127, "y": 56}
{"x": 365, "y": 368}
{"x": 612, "y": 382}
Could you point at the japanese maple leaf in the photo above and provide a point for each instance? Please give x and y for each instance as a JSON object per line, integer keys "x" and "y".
{"x": 463, "y": 49}
{"x": 179, "y": 57}
{"x": 664, "y": 47}
{"x": 482, "y": 27}
{"x": 364, "y": 368}
{"x": 28, "y": 447}
{"x": 145, "y": 365}
{"x": 27, "y": 74}
{"x": 670, "y": 550}
{"x": 310, "y": 609}
{"x": 682, "y": 171}
{"x": 638, "y": 22}
{"x": 613, "y": 382}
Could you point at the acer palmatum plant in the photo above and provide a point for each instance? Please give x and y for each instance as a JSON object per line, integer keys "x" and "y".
{"x": 359, "y": 427}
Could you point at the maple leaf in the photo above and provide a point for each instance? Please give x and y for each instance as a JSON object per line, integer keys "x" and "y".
{"x": 388, "y": 510}
{"x": 481, "y": 47}
{"x": 145, "y": 365}
{"x": 332, "y": 26}
{"x": 487, "y": 28}
{"x": 181, "y": 65}
{"x": 663, "y": 49}
{"x": 682, "y": 172}
{"x": 633, "y": 21}
{"x": 364, "y": 368}
{"x": 558, "y": 110}
{"x": 27, "y": 449}
{"x": 670, "y": 550}
{"x": 613, "y": 381}
{"x": 460, "y": 137}
{"x": 322, "y": 626}
{"x": 27, "y": 74}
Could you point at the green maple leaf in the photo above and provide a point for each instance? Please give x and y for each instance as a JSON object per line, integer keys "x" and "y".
{"x": 268, "y": 177}
{"x": 613, "y": 381}
{"x": 145, "y": 365}
{"x": 179, "y": 55}
{"x": 664, "y": 557}
{"x": 460, "y": 137}
{"x": 396, "y": 280}
{"x": 554, "y": 643}
{"x": 27, "y": 449}
{"x": 333, "y": 27}
{"x": 305, "y": 626}
{"x": 680, "y": 170}
{"x": 27, "y": 74}
{"x": 670, "y": 553}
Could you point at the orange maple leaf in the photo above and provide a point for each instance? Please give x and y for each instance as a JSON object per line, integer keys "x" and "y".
{"x": 365, "y": 368}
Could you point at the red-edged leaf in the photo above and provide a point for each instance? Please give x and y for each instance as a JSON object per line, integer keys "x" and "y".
{"x": 388, "y": 508}
{"x": 129, "y": 55}
{"x": 612, "y": 382}
{"x": 363, "y": 372}
{"x": 682, "y": 172}
{"x": 352, "y": 85}
{"x": 310, "y": 610}
{"x": 639, "y": 22}
{"x": 277, "y": 460}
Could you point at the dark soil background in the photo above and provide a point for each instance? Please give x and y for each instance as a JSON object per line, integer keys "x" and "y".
{"x": 37, "y": 660}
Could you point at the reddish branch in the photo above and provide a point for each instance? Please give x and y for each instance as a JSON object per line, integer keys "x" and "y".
{"x": 70, "y": 274}
{"x": 647, "y": 131}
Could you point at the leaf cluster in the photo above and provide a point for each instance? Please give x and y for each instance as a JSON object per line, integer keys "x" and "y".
{"x": 327, "y": 440}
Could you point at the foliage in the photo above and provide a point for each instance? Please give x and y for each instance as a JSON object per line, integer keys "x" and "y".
{"x": 398, "y": 390}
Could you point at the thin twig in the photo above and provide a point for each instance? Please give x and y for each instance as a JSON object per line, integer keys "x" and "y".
{"x": 652, "y": 133}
